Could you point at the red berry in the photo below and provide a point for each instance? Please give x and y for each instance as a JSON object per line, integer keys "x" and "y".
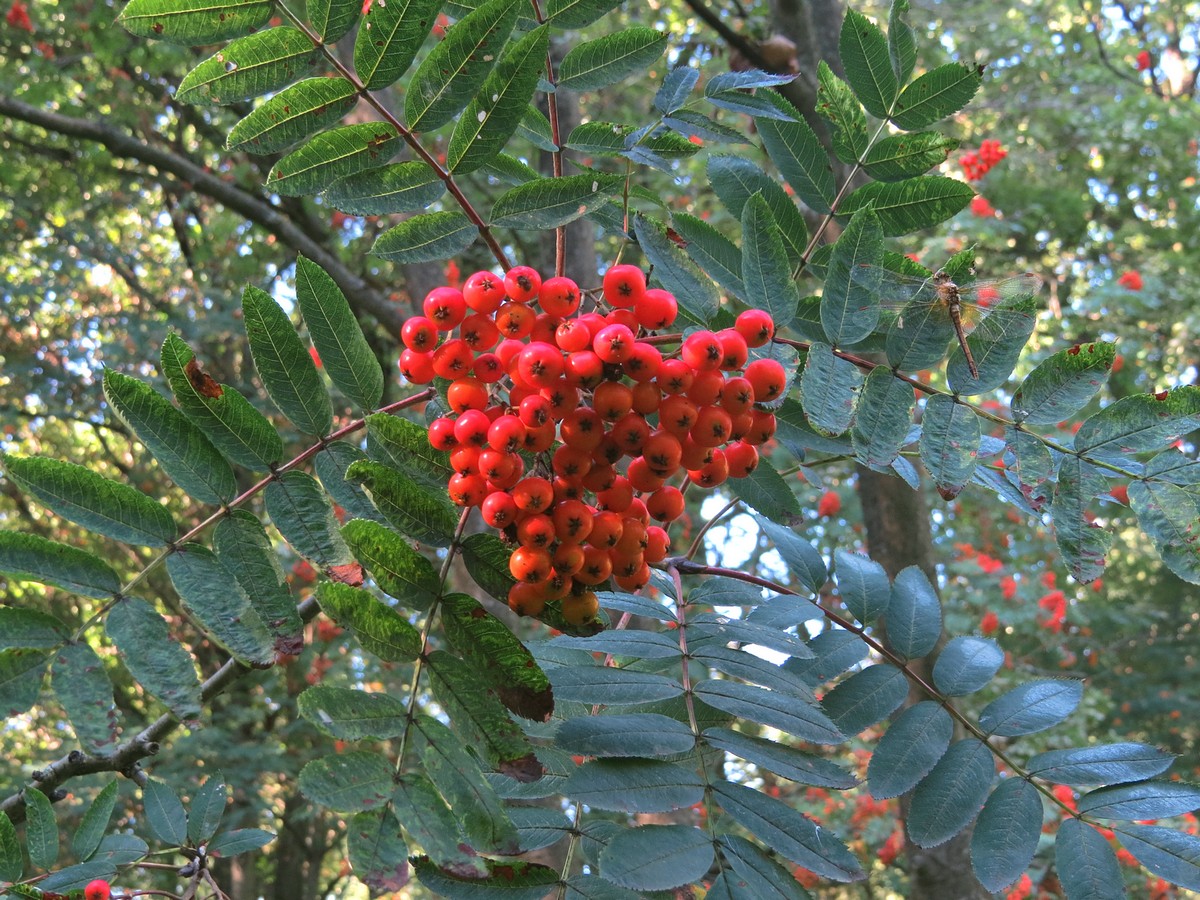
{"x": 614, "y": 343}
{"x": 445, "y": 307}
{"x": 657, "y": 309}
{"x": 756, "y": 326}
{"x": 768, "y": 378}
{"x": 484, "y": 292}
{"x": 97, "y": 890}
{"x": 522, "y": 283}
{"x": 559, "y": 297}
{"x": 624, "y": 285}
{"x": 701, "y": 350}
{"x": 419, "y": 334}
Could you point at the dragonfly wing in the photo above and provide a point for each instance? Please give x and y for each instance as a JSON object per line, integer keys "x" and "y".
{"x": 918, "y": 336}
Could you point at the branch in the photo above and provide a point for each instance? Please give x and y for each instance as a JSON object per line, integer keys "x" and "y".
{"x": 361, "y": 295}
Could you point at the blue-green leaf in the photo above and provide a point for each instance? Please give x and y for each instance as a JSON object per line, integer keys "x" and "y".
{"x": 966, "y": 665}
{"x": 304, "y": 516}
{"x": 864, "y": 53}
{"x": 697, "y": 296}
{"x": 1063, "y": 384}
{"x": 951, "y": 795}
{"x": 21, "y": 672}
{"x": 207, "y": 808}
{"x": 803, "y": 561}
{"x": 737, "y": 179}
{"x": 1173, "y": 855}
{"x": 766, "y": 273}
{"x": 949, "y": 443}
{"x": 431, "y": 823}
{"x": 634, "y": 785}
{"x": 866, "y": 697}
{"x": 1086, "y": 864}
{"x": 41, "y": 829}
{"x": 758, "y": 876}
{"x": 164, "y": 812}
{"x": 1031, "y": 707}
{"x": 782, "y": 760}
{"x": 1006, "y": 836}
{"x": 377, "y": 850}
{"x": 348, "y": 782}
{"x": 243, "y": 547}
{"x": 1142, "y": 800}
{"x": 656, "y": 857}
{"x": 675, "y": 89}
{"x": 797, "y": 152}
{"x": 1140, "y": 423}
{"x": 154, "y": 658}
{"x": 216, "y": 599}
{"x": 633, "y": 734}
{"x": 1082, "y": 542}
{"x": 829, "y": 387}
{"x": 803, "y": 720}
{"x": 863, "y": 585}
{"x": 1103, "y": 764}
{"x": 914, "y": 616}
{"x": 611, "y": 686}
{"x": 1169, "y": 516}
{"x": 712, "y": 251}
{"x": 82, "y": 685}
{"x": 91, "y": 829}
{"x": 850, "y": 299}
{"x": 909, "y": 750}
{"x": 936, "y": 94}
{"x": 34, "y": 558}
{"x": 353, "y": 715}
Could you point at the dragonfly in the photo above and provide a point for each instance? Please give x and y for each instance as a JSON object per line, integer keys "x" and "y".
{"x": 929, "y": 309}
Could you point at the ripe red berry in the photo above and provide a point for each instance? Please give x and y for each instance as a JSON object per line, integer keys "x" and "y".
{"x": 484, "y": 292}
{"x": 445, "y": 307}
{"x": 657, "y": 309}
{"x": 559, "y": 297}
{"x": 97, "y": 890}
{"x": 614, "y": 343}
{"x": 419, "y": 334}
{"x": 522, "y": 283}
{"x": 756, "y": 326}
{"x": 624, "y": 286}
{"x": 768, "y": 379}
{"x": 701, "y": 350}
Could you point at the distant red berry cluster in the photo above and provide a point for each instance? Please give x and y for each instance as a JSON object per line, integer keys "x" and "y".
{"x": 976, "y": 164}
{"x": 1144, "y": 60}
{"x": 981, "y": 207}
{"x": 1131, "y": 280}
{"x": 18, "y": 17}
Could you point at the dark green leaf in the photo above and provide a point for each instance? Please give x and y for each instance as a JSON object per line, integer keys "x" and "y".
{"x": 904, "y": 156}
{"x": 110, "y": 508}
{"x": 938, "y": 93}
{"x": 82, "y": 685}
{"x": 353, "y": 715}
{"x": 863, "y": 585}
{"x": 914, "y": 204}
{"x": 578, "y": 13}
{"x": 1031, "y": 707}
{"x": 690, "y": 124}
{"x": 1030, "y": 466}
{"x": 243, "y": 548}
{"x": 730, "y": 90}
{"x": 966, "y": 665}
{"x": 1086, "y": 863}
{"x": 535, "y": 128}
{"x": 914, "y": 616}
{"x": 1173, "y": 855}
{"x": 12, "y": 860}
{"x": 72, "y": 878}
{"x": 377, "y": 850}
{"x": 951, "y": 795}
{"x": 837, "y": 104}
{"x": 1169, "y": 515}
{"x": 91, "y": 829}
{"x": 389, "y": 39}
{"x": 656, "y": 857}
{"x": 780, "y": 759}
{"x": 539, "y": 828}
{"x": 207, "y": 808}
{"x": 179, "y": 446}
{"x": 217, "y": 600}
{"x": 430, "y": 823}
{"x": 803, "y": 561}
{"x": 348, "y": 782}
{"x": 345, "y": 353}
{"x": 410, "y": 507}
{"x": 634, "y": 785}
{"x": 755, "y": 875}
{"x": 866, "y": 697}
{"x": 721, "y": 630}
{"x": 995, "y": 345}
{"x": 864, "y": 53}
{"x": 737, "y": 179}
{"x": 284, "y": 364}
{"x": 303, "y": 514}
{"x": 765, "y": 491}
{"x": 611, "y": 686}
{"x": 33, "y": 558}
{"x": 120, "y": 850}
{"x": 331, "y": 465}
{"x": 850, "y": 299}
{"x": 154, "y": 657}
{"x": 405, "y": 445}
{"x": 239, "y": 840}
{"x": 797, "y": 152}
{"x": 250, "y": 67}
{"x": 788, "y": 832}
{"x": 909, "y": 750}
{"x": 592, "y": 65}
{"x": 509, "y": 879}
{"x": 634, "y": 734}
{"x": 1063, "y": 384}
{"x": 30, "y": 629}
{"x": 712, "y": 251}
{"x": 902, "y": 47}
{"x": 194, "y": 22}
{"x": 1082, "y": 543}
{"x": 631, "y": 643}
{"x": 331, "y": 155}
{"x": 456, "y": 68}
{"x": 427, "y": 237}
{"x": 766, "y": 272}
{"x": 227, "y": 418}
{"x": 802, "y": 720}
{"x": 396, "y": 568}
{"x": 1174, "y": 467}
{"x": 495, "y": 112}
{"x": 675, "y": 89}
{"x": 41, "y": 830}
{"x": 1006, "y": 836}
{"x": 486, "y": 558}
{"x": 696, "y": 294}
{"x": 882, "y": 418}
{"x": 551, "y": 202}
{"x": 828, "y": 389}
{"x": 164, "y": 812}
{"x": 1103, "y": 764}
{"x": 834, "y": 651}
{"x": 1144, "y": 800}
{"x": 293, "y": 114}
{"x": 379, "y": 628}
{"x": 331, "y": 19}
{"x": 395, "y": 188}
{"x": 21, "y": 673}
{"x": 949, "y": 443}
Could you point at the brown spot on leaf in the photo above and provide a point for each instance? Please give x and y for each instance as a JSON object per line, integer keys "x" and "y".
{"x": 526, "y": 769}
{"x": 350, "y": 573}
{"x": 202, "y": 382}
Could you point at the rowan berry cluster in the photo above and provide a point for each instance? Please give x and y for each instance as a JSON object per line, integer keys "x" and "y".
{"x": 976, "y": 165}
{"x": 565, "y": 426}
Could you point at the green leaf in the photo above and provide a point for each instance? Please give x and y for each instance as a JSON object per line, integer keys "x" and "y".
{"x": 244, "y": 549}
{"x": 938, "y": 93}
{"x": 41, "y": 830}
{"x": 389, "y": 39}
{"x": 331, "y": 19}
{"x": 82, "y": 685}
{"x": 165, "y": 814}
{"x": 753, "y": 874}
{"x": 914, "y": 204}
{"x": 293, "y": 114}
{"x": 634, "y": 785}
{"x": 632, "y": 734}
{"x": 765, "y": 491}
{"x": 239, "y": 840}
{"x": 12, "y": 860}
{"x": 788, "y": 832}
{"x": 551, "y": 202}
{"x": 803, "y": 561}
{"x": 396, "y": 568}
{"x": 951, "y": 795}
{"x": 864, "y": 53}
{"x": 712, "y": 252}
{"x": 216, "y": 599}
{"x": 330, "y": 466}
{"x": 495, "y": 112}
{"x": 902, "y": 48}
{"x": 1103, "y": 764}
{"x": 207, "y": 808}
{"x": 766, "y": 707}
{"x": 304, "y": 516}
{"x": 250, "y": 67}
{"x": 345, "y": 353}
{"x": 396, "y": 188}
{"x": 866, "y": 697}
{"x": 834, "y": 651}
{"x": 837, "y": 104}
{"x": 1031, "y": 707}
{"x": 611, "y": 686}
{"x": 1140, "y": 423}
{"x": 30, "y": 629}
{"x": 736, "y": 180}
{"x": 765, "y": 269}
{"x": 284, "y": 364}
{"x": 578, "y": 13}
{"x": 457, "y": 67}
{"x": 850, "y": 299}
{"x": 430, "y": 823}
{"x": 21, "y": 673}
{"x": 691, "y": 124}
{"x": 1144, "y": 800}
{"x": 780, "y": 759}
{"x": 909, "y": 750}
{"x": 480, "y": 720}
{"x": 79, "y": 495}
{"x": 622, "y": 643}
{"x": 949, "y": 443}
{"x": 904, "y": 156}
{"x": 721, "y": 630}
{"x": 377, "y": 850}
{"x": 641, "y": 606}
{"x": 914, "y": 616}
{"x": 153, "y": 657}
{"x": 404, "y": 445}
{"x": 194, "y": 22}
{"x": 353, "y": 715}
{"x": 1082, "y": 543}
{"x": 91, "y": 829}
{"x": 510, "y": 879}
{"x": 656, "y": 857}
{"x": 995, "y": 345}
{"x": 227, "y": 419}
{"x": 427, "y": 237}
{"x": 348, "y": 782}
{"x": 409, "y": 506}
{"x": 1086, "y": 863}
{"x": 486, "y": 560}
{"x": 595, "y": 64}
{"x": 696, "y": 294}
{"x": 1031, "y": 466}
{"x": 730, "y": 90}
{"x": 966, "y": 665}
{"x": 610, "y": 139}
{"x": 676, "y": 88}
{"x": 1005, "y": 838}
{"x": 379, "y": 628}
{"x": 797, "y": 152}
{"x": 828, "y": 389}
{"x": 1169, "y": 854}
{"x": 331, "y": 155}
{"x": 863, "y": 585}
{"x": 1169, "y": 516}
{"x": 179, "y": 446}
{"x": 535, "y": 128}
{"x": 1063, "y": 384}
{"x": 33, "y": 558}
{"x": 882, "y": 418}
{"x": 539, "y": 828}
